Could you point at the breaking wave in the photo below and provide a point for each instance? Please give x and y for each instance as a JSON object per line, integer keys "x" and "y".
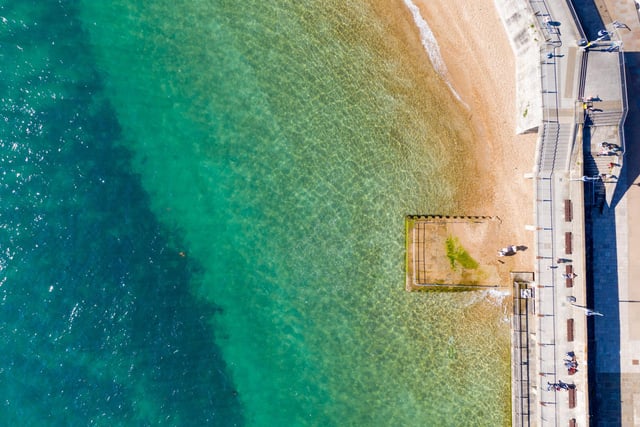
{"x": 430, "y": 45}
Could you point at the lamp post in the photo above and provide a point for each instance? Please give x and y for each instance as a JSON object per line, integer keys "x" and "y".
{"x": 588, "y": 311}
{"x": 588, "y": 178}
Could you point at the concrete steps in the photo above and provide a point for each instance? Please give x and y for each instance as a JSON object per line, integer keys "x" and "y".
{"x": 604, "y": 118}
{"x": 557, "y": 139}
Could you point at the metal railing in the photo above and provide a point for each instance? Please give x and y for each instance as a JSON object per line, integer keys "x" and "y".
{"x": 522, "y": 408}
{"x": 547, "y": 26}
{"x": 576, "y": 21}
{"x": 545, "y": 245}
{"x": 625, "y": 101}
{"x": 546, "y": 295}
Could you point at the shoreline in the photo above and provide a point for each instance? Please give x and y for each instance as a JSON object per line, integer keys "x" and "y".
{"x": 482, "y": 72}
{"x": 432, "y": 48}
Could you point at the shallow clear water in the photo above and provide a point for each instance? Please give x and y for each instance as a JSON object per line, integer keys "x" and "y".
{"x": 203, "y": 212}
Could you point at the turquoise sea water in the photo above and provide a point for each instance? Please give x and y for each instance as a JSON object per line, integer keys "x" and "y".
{"x": 202, "y": 220}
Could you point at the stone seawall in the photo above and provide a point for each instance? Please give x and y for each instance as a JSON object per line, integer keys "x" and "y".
{"x": 525, "y": 39}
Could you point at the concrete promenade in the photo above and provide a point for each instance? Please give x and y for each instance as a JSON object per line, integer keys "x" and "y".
{"x": 581, "y": 200}
{"x": 560, "y": 326}
{"x": 614, "y": 245}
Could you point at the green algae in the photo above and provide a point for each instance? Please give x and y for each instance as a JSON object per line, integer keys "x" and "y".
{"x": 458, "y": 256}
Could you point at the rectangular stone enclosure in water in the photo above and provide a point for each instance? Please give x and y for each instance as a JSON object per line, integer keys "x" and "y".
{"x": 451, "y": 252}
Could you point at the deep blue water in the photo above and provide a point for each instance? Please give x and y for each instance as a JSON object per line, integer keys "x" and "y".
{"x": 202, "y": 220}
{"x": 97, "y": 322}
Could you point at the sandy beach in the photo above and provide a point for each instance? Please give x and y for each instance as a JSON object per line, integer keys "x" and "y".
{"x": 481, "y": 68}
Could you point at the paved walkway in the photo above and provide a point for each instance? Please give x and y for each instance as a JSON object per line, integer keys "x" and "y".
{"x": 571, "y": 134}
{"x": 621, "y": 371}
{"x": 612, "y": 245}
{"x": 585, "y": 200}
{"x": 559, "y": 236}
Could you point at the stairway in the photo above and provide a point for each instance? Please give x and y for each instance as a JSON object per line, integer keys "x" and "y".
{"x": 596, "y": 166}
{"x": 605, "y": 118}
{"x": 557, "y": 140}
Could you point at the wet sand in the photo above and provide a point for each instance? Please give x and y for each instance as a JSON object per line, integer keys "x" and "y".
{"x": 481, "y": 68}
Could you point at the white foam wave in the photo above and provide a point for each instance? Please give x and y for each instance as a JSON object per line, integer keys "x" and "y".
{"x": 497, "y": 295}
{"x": 497, "y": 298}
{"x": 430, "y": 45}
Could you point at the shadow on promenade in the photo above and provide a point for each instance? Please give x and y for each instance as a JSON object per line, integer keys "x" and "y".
{"x": 603, "y": 331}
{"x": 602, "y": 276}
{"x": 631, "y": 165}
{"x": 594, "y": 191}
{"x": 601, "y": 247}
{"x": 602, "y": 296}
{"x": 589, "y": 17}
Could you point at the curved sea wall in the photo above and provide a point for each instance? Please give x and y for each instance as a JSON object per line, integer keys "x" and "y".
{"x": 524, "y": 38}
